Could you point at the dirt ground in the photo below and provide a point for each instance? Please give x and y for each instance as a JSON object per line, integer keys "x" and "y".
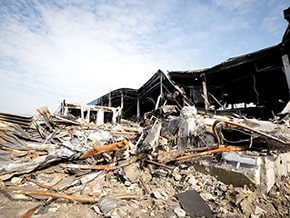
{"x": 16, "y": 208}
{"x": 158, "y": 200}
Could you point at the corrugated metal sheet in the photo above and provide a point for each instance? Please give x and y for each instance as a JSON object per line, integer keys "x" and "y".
{"x": 23, "y": 120}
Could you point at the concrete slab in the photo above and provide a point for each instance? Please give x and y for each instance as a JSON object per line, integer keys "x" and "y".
{"x": 242, "y": 168}
{"x": 194, "y": 205}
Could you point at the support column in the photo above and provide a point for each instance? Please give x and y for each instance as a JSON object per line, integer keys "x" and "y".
{"x": 286, "y": 65}
{"x": 100, "y": 117}
{"x": 161, "y": 84}
{"x": 122, "y": 104}
{"x": 204, "y": 88}
{"x": 161, "y": 93}
{"x": 138, "y": 108}
{"x": 122, "y": 100}
{"x": 110, "y": 102}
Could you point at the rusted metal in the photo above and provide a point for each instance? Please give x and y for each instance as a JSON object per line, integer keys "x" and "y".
{"x": 31, "y": 211}
{"x": 106, "y": 148}
{"x": 159, "y": 164}
{"x": 95, "y": 167}
{"x": 91, "y": 167}
{"x": 75, "y": 198}
{"x": 59, "y": 195}
{"x": 146, "y": 190}
{"x": 14, "y": 151}
{"x": 167, "y": 156}
{"x": 220, "y": 149}
{"x": 218, "y": 125}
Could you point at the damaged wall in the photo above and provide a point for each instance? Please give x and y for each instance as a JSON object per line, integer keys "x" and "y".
{"x": 89, "y": 113}
{"x": 255, "y": 84}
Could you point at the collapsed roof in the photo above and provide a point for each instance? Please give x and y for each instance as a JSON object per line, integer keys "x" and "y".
{"x": 255, "y": 84}
{"x": 157, "y": 91}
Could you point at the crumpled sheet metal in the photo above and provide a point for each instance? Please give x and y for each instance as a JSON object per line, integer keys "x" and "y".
{"x": 7, "y": 170}
{"x": 66, "y": 142}
{"x": 24, "y": 121}
{"x": 255, "y": 133}
{"x": 106, "y": 148}
{"x": 122, "y": 150}
{"x": 11, "y": 135}
{"x": 22, "y": 153}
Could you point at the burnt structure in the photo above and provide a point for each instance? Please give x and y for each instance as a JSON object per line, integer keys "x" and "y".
{"x": 88, "y": 113}
{"x": 255, "y": 84}
{"x": 157, "y": 91}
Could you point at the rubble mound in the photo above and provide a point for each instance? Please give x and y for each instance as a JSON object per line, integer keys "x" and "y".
{"x": 57, "y": 167}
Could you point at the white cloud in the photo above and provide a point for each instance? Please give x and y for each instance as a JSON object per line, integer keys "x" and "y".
{"x": 272, "y": 24}
{"x": 237, "y": 6}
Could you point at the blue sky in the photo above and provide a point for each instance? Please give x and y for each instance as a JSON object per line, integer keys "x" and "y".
{"x": 80, "y": 50}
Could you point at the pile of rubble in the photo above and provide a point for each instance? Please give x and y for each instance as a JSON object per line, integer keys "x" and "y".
{"x": 61, "y": 166}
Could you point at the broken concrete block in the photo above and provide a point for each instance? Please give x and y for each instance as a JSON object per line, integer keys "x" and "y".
{"x": 133, "y": 172}
{"x": 194, "y": 205}
{"x": 259, "y": 211}
{"x": 207, "y": 196}
{"x": 156, "y": 194}
{"x": 107, "y": 204}
{"x": 100, "y": 136}
{"x": 16, "y": 180}
{"x": 242, "y": 169}
{"x": 151, "y": 140}
{"x": 272, "y": 168}
{"x": 192, "y": 181}
{"x": 179, "y": 212}
{"x": 187, "y": 126}
{"x": 239, "y": 159}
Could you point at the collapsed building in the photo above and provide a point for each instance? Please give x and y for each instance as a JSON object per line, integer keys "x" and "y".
{"x": 207, "y": 143}
{"x": 256, "y": 84}
{"x": 249, "y": 88}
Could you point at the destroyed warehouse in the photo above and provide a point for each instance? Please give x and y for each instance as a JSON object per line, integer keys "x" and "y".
{"x": 255, "y": 84}
{"x": 213, "y": 142}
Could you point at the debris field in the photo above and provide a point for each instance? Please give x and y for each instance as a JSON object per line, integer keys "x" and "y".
{"x": 60, "y": 166}
{"x": 211, "y": 142}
